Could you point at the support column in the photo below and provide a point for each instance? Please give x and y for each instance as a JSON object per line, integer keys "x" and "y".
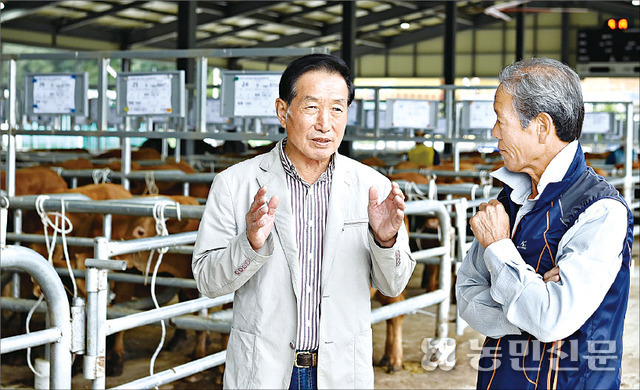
{"x": 520, "y": 34}
{"x": 449, "y": 70}
{"x": 187, "y": 23}
{"x": 348, "y": 52}
{"x": 349, "y": 30}
{"x": 449, "y": 65}
{"x": 564, "y": 48}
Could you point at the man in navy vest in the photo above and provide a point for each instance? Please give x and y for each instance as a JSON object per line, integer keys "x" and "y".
{"x": 547, "y": 277}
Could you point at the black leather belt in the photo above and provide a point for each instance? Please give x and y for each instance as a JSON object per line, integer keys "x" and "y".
{"x": 305, "y": 359}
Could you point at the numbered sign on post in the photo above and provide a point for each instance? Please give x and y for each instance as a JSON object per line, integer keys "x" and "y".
{"x": 249, "y": 94}
{"x": 56, "y": 94}
{"x": 145, "y": 94}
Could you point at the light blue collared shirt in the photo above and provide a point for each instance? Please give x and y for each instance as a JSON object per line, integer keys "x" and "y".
{"x": 499, "y": 294}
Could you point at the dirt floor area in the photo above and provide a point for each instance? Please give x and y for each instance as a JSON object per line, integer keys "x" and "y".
{"x": 142, "y": 342}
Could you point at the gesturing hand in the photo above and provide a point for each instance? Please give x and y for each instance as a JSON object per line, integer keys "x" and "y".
{"x": 387, "y": 217}
{"x": 260, "y": 218}
{"x": 491, "y": 223}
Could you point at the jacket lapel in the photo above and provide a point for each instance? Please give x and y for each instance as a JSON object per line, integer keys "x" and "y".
{"x": 336, "y": 211}
{"x": 274, "y": 178}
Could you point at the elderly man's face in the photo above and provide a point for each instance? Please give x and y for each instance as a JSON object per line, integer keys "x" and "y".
{"x": 519, "y": 147}
{"x": 316, "y": 118}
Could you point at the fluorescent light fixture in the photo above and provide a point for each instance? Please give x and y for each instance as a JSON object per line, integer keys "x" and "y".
{"x": 405, "y": 25}
{"x": 634, "y": 2}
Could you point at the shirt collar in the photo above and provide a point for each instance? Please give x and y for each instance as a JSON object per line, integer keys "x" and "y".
{"x": 290, "y": 169}
{"x": 555, "y": 171}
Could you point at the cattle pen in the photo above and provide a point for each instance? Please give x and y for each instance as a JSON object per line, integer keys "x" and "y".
{"x": 450, "y": 197}
{"x": 97, "y": 275}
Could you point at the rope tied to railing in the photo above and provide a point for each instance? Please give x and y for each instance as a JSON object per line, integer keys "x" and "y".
{"x": 433, "y": 187}
{"x": 161, "y": 230}
{"x": 413, "y": 192}
{"x": 100, "y": 176}
{"x": 150, "y": 184}
{"x": 60, "y": 218}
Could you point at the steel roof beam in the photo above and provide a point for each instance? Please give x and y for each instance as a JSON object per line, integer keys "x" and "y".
{"x": 92, "y": 16}
{"x": 19, "y": 9}
{"x": 168, "y": 30}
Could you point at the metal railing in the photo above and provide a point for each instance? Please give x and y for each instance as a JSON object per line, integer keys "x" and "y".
{"x": 58, "y": 335}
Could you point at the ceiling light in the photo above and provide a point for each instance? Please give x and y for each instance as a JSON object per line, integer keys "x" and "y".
{"x": 405, "y": 25}
{"x": 636, "y": 3}
{"x": 1, "y": 5}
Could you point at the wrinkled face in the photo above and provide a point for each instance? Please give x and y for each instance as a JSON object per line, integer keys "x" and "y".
{"x": 519, "y": 147}
{"x": 316, "y": 118}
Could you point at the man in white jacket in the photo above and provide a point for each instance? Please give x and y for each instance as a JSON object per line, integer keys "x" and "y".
{"x": 299, "y": 234}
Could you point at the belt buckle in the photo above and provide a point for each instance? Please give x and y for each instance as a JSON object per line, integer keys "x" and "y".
{"x": 314, "y": 360}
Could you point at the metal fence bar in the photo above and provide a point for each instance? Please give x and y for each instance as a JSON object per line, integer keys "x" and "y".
{"x": 118, "y": 207}
{"x": 59, "y": 314}
{"x": 408, "y": 306}
{"x": 176, "y": 373}
{"x": 455, "y": 189}
{"x": 39, "y": 238}
{"x": 28, "y": 340}
{"x": 145, "y": 244}
{"x": 158, "y": 175}
{"x": 151, "y": 316}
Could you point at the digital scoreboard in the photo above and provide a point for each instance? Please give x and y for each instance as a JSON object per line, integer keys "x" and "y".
{"x": 608, "y": 46}
{"x": 613, "y": 50}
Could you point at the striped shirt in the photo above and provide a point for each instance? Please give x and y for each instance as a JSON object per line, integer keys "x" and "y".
{"x": 309, "y": 203}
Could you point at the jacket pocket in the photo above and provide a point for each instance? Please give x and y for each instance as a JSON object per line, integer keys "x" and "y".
{"x": 355, "y": 223}
{"x": 362, "y": 360}
{"x": 239, "y": 365}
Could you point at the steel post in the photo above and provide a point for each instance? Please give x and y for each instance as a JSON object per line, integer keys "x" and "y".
{"x": 97, "y": 298}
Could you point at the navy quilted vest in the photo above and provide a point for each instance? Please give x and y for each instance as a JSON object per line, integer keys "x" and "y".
{"x": 591, "y": 357}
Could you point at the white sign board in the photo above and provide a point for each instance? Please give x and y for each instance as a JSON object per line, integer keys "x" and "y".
{"x": 149, "y": 94}
{"x": 478, "y": 114}
{"x": 54, "y": 94}
{"x": 213, "y": 112}
{"x": 417, "y": 114}
{"x": 597, "y": 122}
{"x": 255, "y": 95}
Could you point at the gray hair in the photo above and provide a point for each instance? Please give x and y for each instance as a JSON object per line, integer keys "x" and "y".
{"x": 539, "y": 85}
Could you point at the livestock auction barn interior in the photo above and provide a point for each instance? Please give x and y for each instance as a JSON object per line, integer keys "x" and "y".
{"x": 116, "y": 116}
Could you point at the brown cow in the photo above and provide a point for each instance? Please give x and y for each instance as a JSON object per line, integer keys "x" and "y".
{"x": 374, "y": 161}
{"x": 76, "y": 163}
{"x": 36, "y": 180}
{"x": 125, "y": 228}
{"x": 140, "y": 154}
{"x": 197, "y": 190}
{"x": 177, "y": 265}
{"x": 89, "y": 225}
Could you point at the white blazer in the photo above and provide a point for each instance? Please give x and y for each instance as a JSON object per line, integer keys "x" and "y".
{"x": 267, "y": 284}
